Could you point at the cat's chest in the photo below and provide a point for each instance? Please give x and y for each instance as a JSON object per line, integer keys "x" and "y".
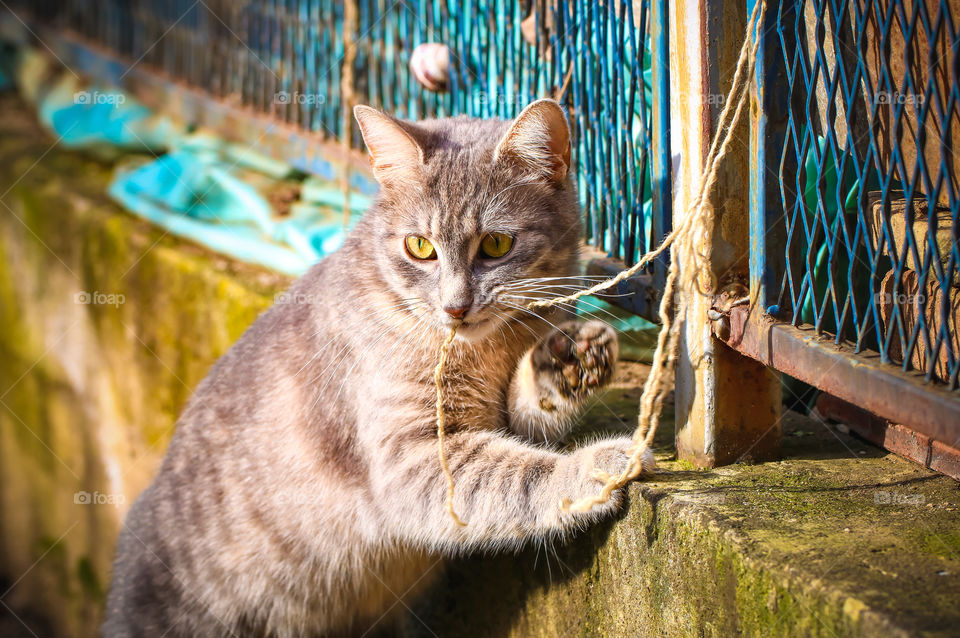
{"x": 476, "y": 388}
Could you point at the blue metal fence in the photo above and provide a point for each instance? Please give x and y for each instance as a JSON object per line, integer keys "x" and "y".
{"x": 285, "y": 59}
{"x": 856, "y": 207}
{"x": 854, "y": 184}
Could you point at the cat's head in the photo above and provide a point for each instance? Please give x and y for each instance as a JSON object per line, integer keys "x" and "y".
{"x": 470, "y": 210}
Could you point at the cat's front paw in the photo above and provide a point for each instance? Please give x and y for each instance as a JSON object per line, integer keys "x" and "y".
{"x": 602, "y": 461}
{"x": 611, "y": 457}
{"x": 578, "y": 357}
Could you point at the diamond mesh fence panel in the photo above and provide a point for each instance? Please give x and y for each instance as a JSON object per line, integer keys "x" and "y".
{"x": 869, "y": 177}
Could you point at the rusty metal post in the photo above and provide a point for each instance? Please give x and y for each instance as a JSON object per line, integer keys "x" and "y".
{"x": 727, "y": 405}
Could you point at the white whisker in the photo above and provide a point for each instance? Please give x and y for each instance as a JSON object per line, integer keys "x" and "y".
{"x": 573, "y": 308}
{"x": 530, "y": 312}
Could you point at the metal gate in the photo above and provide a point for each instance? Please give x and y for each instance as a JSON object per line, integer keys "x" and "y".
{"x": 855, "y": 236}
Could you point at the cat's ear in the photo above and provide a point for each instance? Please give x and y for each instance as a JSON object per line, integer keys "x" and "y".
{"x": 538, "y": 141}
{"x": 395, "y": 155}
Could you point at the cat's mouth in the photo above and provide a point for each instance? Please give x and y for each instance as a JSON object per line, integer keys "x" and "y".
{"x": 472, "y": 329}
{"x": 482, "y": 321}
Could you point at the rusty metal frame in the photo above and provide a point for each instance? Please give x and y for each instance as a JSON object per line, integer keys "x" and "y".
{"x": 860, "y": 378}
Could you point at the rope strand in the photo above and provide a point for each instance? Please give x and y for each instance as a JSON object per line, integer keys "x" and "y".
{"x": 694, "y": 238}
{"x": 438, "y": 379}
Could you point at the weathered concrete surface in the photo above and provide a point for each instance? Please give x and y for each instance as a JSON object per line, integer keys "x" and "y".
{"x": 89, "y": 393}
{"x": 837, "y": 539}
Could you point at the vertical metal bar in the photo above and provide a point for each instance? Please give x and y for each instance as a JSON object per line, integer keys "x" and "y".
{"x": 728, "y": 406}
{"x": 770, "y": 109}
{"x": 661, "y": 170}
{"x": 635, "y": 156}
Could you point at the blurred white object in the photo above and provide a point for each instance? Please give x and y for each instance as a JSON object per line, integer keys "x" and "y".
{"x": 430, "y": 65}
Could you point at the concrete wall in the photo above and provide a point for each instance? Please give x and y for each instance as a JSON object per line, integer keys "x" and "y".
{"x": 106, "y": 326}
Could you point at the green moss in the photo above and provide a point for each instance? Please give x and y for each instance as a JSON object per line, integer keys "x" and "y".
{"x": 944, "y": 543}
{"x": 795, "y": 548}
{"x": 45, "y": 546}
{"x": 89, "y": 581}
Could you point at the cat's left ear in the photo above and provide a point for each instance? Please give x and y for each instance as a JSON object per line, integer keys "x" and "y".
{"x": 538, "y": 141}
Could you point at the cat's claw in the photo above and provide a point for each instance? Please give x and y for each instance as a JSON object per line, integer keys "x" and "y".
{"x": 582, "y": 356}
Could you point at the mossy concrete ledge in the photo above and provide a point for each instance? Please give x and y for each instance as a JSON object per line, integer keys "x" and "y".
{"x": 106, "y": 327}
{"x": 837, "y": 539}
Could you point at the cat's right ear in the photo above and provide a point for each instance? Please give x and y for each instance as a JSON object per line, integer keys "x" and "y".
{"x": 395, "y": 156}
{"x": 538, "y": 141}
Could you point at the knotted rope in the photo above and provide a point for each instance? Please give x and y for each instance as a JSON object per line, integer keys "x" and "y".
{"x": 693, "y": 239}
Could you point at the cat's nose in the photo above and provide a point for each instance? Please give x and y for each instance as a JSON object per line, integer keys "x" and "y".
{"x": 457, "y": 312}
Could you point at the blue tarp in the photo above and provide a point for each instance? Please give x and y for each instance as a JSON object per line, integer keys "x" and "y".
{"x": 195, "y": 193}
{"x": 198, "y": 186}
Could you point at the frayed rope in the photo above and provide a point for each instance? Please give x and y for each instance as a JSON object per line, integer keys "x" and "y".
{"x": 693, "y": 238}
{"x": 438, "y": 379}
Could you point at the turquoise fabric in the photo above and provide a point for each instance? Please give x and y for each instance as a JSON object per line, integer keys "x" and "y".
{"x": 100, "y": 117}
{"x": 199, "y": 186}
{"x": 194, "y": 192}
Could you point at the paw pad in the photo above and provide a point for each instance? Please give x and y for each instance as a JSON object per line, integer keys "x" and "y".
{"x": 583, "y": 354}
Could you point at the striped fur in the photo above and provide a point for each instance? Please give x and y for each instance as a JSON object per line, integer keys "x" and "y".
{"x": 301, "y": 494}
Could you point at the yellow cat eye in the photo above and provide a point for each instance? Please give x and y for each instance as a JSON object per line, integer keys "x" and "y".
{"x": 420, "y": 248}
{"x": 495, "y": 245}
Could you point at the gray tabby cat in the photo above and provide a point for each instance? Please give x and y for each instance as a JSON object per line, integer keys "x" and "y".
{"x": 301, "y": 493}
